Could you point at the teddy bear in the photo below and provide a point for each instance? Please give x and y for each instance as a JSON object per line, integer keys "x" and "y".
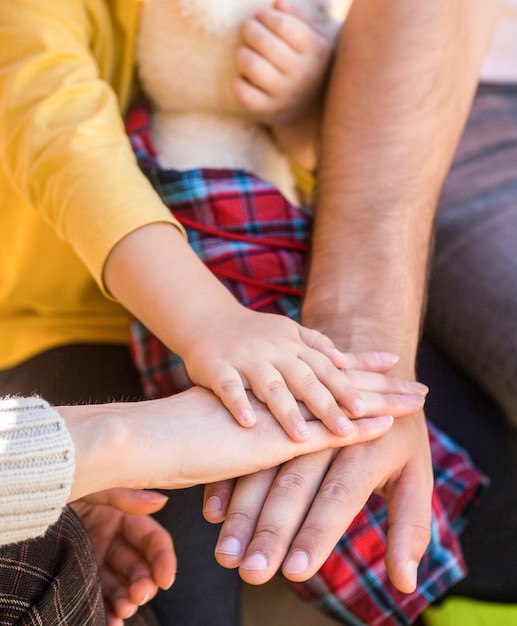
{"x": 186, "y": 60}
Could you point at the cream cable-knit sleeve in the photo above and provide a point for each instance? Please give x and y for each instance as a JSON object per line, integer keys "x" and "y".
{"x": 36, "y": 467}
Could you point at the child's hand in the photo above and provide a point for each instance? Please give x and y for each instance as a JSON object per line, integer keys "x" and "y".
{"x": 282, "y": 362}
{"x": 283, "y": 63}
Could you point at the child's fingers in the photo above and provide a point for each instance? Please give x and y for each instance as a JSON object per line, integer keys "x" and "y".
{"x": 324, "y": 391}
{"x": 258, "y": 71}
{"x": 349, "y": 391}
{"x": 304, "y": 385}
{"x": 253, "y": 99}
{"x": 228, "y": 386}
{"x": 320, "y": 342}
{"x": 268, "y": 45}
{"x": 372, "y": 361}
{"x": 270, "y": 387}
{"x": 295, "y": 28}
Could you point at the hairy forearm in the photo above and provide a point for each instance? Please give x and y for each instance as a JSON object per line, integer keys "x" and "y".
{"x": 400, "y": 92}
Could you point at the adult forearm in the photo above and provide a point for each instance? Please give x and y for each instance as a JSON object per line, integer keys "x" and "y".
{"x": 184, "y": 440}
{"x": 400, "y": 92}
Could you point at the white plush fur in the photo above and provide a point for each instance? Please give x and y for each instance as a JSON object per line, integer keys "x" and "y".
{"x": 185, "y": 56}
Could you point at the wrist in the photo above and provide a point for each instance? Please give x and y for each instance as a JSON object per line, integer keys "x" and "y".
{"x": 103, "y": 458}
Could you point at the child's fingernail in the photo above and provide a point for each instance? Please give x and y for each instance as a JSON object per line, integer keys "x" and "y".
{"x": 302, "y": 429}
{"x": 247, "y": 418}
{"x": 382, "y": 420}
{"x": 388, "y": 356}
{"x": 338, "y": 354}
{"x": 359, "y": 407}
{"x": 344, "y": 425}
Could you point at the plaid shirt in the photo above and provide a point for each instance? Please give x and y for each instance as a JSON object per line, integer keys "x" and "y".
{"x": 255, "y": 242}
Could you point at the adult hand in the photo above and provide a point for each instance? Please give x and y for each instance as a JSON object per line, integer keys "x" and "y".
{"x": 292, "y": 518}
{"x": 135, "y": 554}
{"x": 189, "y": 439}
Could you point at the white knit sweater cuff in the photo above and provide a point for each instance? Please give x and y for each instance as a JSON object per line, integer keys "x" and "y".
{"x": 36, "y": 467}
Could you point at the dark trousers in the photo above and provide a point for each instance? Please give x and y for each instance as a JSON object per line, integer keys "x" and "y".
{"x": 204, "y": 593}
{"x": 472, "y": 319}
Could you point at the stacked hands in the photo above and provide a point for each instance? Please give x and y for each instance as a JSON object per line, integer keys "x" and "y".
{"x": 191, "y": 438}
{"x": 310, "y": 430}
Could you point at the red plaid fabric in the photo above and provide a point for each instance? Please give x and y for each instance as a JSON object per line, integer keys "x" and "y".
{"x": 242, "y": 228}
{"x": 353, "y": 584}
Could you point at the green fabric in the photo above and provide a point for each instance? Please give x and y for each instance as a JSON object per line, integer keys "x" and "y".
{"x": 467, "y": 612}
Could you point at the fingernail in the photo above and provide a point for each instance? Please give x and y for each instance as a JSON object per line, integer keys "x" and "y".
{"x": 146, "y": 599}
{"x": 256, "y": 562}
{"x": 359, "y": 407}
{"x": 302, "y": 429}
{"x": 344, "y": 425}
{"x": 412, "y": 572}
{"x": 382, "y": 420}
{"x": 416, "y": 387}
{"x": 247, "y": 417}
{"x": 129, "y": 612}
{"x": 170, "y": 583}
{"x": 388, "y": 356}
{"x": 154, "y": 496}
{"x": 337, "y": 354}
{"x": 213, "y": 505}
{"x": 297, "y": 562}
{"x": 416, "y": 401}
{"x": 231, "y": 546}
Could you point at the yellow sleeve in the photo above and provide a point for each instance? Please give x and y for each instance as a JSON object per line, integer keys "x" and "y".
{"x": 62, "y": 140}
{"x": 305, "y": 185}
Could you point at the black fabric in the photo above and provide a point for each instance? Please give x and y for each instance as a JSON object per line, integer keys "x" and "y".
{"x": 457, "y": 406}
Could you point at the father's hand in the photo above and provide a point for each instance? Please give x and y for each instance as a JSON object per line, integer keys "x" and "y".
{"x": 292, "y": 517}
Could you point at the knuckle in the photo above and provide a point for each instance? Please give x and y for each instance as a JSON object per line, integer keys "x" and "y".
{"x": 270, "y": 534}
{"x": 309, "y": 381}
{"x": 276, "y": 386}
{"x": 421, "y": 534}
{"x": 230, "y": 387}
{"x": 240, "y": 517}
{"x": 282, "y": 25}
{"x": 336, "y": 490}
{"x": 290, "y": 483}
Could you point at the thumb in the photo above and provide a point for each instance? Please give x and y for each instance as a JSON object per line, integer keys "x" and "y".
{"x": 409, "y": 531}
